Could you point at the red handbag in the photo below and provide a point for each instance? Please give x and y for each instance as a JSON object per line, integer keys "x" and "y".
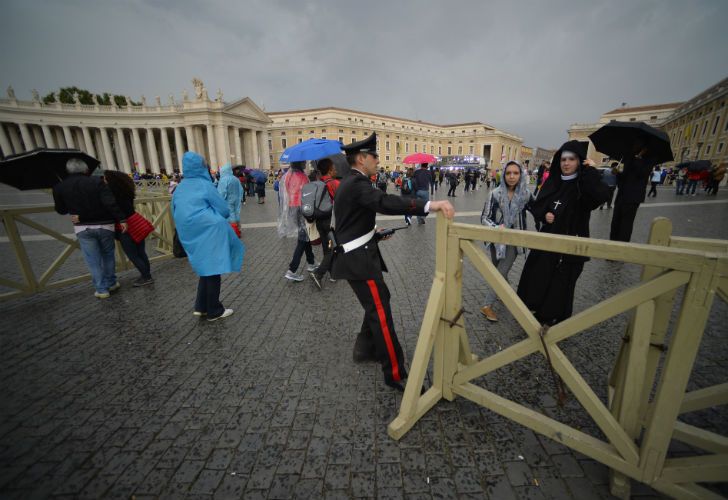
{"x": 235, "y": 227}
{"x": 138, "y": 227}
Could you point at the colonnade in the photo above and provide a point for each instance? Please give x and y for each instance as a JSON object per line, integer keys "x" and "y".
{"x": 147, "y": 149}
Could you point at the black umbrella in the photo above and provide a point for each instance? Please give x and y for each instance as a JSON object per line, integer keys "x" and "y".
{"x": 616, "y": 139}
{"x": 341, "y": 165}
{"x": 40, "y": 168}
{"x": 699, "y": 166}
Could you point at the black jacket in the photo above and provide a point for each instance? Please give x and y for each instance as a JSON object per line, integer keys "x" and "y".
{"x": 632, "y": 181}
{"x": 421, "y": 179}
{"x": 89, "y": 198}
{"x": 356, "y": 205}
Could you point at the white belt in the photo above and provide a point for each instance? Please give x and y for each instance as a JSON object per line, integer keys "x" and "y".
{"x": 360, "y": 241}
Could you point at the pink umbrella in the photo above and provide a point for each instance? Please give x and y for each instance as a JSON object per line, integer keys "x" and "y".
{"x": 419, "y": 158}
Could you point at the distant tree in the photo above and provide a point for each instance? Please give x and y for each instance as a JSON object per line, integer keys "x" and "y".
{"x": 65, "y": 95}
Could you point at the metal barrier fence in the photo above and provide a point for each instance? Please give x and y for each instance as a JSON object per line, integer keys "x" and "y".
{"x": 698, "y": 267}
{"x": 156, "y": 208}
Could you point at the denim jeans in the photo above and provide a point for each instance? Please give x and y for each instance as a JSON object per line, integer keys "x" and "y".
{"x": 136, "y": 254}
{"x": 422, "y": 195}
{"x": 692, "y": 184}
{"x": 97, "y": 246}
{"x": 208, "y": 296}
{"x": 301, "y": 247}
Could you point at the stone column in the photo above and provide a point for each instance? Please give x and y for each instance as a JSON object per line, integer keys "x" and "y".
{"x": 108, "y": 152}
{"x": 15, "y": 139}
{"x": 254, "y": 149}
{"x": 48, "y": 136}
{"x": 138, "y": 152}
{"x": 152, "y": 150}
{"x": 263, "y": 152}
{"x": 166, "y": 152}
{"x": 25, "y": 134}
{"x": 179, "y": 146}
{"x": 89, "y": 143}
{"x": 211, "y": 146}
{"x": 5, "y": 142}
{"x": 190, "y": 133}
{"x": 238, "y": 147}
{"x": 223, "y": 133}
{"x": 68, "y": 136}
{"x": 121, "y": 145}
{"x": 37, "y": 136}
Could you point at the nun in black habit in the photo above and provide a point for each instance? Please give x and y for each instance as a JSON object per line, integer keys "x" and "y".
{"x": 563, "y": 206}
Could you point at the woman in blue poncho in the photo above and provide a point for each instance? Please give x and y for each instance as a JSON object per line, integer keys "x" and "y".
{"x": 200, "y": 215}
{"x": 232, "y": 192}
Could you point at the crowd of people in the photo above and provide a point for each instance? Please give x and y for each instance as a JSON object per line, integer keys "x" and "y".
{"x": 338, "y": 214}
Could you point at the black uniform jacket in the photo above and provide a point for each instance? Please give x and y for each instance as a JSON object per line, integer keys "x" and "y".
{"x": 632, "y": 181}
{"x": 355, "y": 207}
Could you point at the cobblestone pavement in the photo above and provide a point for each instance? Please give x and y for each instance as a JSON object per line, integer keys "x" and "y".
{"x": 133, "y": 396}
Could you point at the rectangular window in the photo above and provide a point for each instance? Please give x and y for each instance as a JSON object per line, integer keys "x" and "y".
{"x": 449, "y": 150}
{"x": 386, "y": 145}
{"x": 415, "y": 148}
{"x": 432, "y": 150}
{"x": 387, "y": 157}
{"x": 341, "y": 140}
{"x": 284, "y": 143}
{"x": 715, "y": 125}
{"x": 460, "y": 150}
{"x": 633, "y": 119}
{"x": 323, "y": 137}
{"x": 353, "y": 139}
{"x": 707, "y": 150}
{"x": 720, "y": 147}
{"x": 705, "y": 126}
{"x": 300, "y": 140}
{"x": 439, "y": 150}
{"x": 283, "y": 133}
{"x": 406, "y": 147}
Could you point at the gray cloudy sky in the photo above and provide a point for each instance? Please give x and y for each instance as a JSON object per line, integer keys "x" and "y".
{"x": 529, "y": 67}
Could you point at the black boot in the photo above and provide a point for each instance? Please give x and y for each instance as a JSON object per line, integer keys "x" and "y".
{"x": 363, "y": 349}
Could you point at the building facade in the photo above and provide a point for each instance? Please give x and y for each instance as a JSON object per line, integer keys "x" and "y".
{"x": 143, "y": 138}
{"x": 698, "y": 129}
{"x": 397, "y": 137}
{"x": 654, "y": 115}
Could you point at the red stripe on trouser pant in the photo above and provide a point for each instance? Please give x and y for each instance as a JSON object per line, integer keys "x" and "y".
{"x": 385, "y": 329}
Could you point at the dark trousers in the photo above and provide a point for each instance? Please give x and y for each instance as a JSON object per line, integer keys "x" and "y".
{"x": 679, "y": 186}
{"x": 653, "y": 190}
{"x": 301, "y": 247}
{"x": 208, "y": 296}
{"x": 622, "y": 221}
{"x": 324, "y": 228}
{"x": 451, "y": 191}
{"x": 609, "y": 200}
{"x": 378, "y": 327}
{"x": 692, "y": 184}
{"x": 136, "y": 253}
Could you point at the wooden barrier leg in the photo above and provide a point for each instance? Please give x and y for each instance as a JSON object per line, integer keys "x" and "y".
{"x": 11, "y": 229}
{"x": 452, "y": 312}
{"x": 676, "y": 372}
{"x": 630, "y": 388}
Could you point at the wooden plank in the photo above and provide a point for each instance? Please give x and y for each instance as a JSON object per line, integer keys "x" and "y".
{"x": 21, "y": 255}
{"x": 502, "y": 289}
{"x": 57, "y": 263}
{"x": 453, "y": 303}
{"x": 438, "y": 357}
{"x": 497, "y": 360}
{"x": 636, "y": 253}
{"x": 594, "y": 406}
{"x": 561, "y": 433}
{"x": 676, "y": 371}
{"x": 700, "y": 469}
{"x": 686, "y": 491}
{"x": 46, "y": 230}
{"x": 700, "y": 438}
{"x": 617, "y": 304}
{"x": 715, "y": 395}
{"x": 639, "y": 344}
{"x": 400, "y": 425}
{"x": 423, "y": 350}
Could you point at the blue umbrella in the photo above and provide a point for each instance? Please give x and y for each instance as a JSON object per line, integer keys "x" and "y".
{"x": 258, "y": 175}
{"x": 312, "y": 149}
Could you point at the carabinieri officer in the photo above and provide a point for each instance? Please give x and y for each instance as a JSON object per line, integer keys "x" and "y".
{"x": 357, "y": 259}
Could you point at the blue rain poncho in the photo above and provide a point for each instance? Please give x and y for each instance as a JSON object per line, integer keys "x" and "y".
{"x": 200, "y": 215}
{"x": 231, "y": 191}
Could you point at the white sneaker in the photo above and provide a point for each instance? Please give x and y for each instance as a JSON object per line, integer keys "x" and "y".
{"x": 225, "y": 314}
{"x": 312, "y": 267}
{"x": 290, "y": 275}
{"x": 115, "y": 287}
{"x": 102, "y": 295}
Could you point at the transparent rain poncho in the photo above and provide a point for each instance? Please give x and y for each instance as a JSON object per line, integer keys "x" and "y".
{"x": 290, "y": 219}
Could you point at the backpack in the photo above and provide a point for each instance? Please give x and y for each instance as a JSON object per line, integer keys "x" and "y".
{"x": 407, "y": 186}
{"x": 316, "y": 204}
{"x": 381, "y": 178}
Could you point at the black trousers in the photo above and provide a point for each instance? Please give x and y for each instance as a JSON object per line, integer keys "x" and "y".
{"x": 208, "y": 296}
{"x": 622, "y": 221}
{"x": 653, "y": 190}
{"x": 451, "y": 191}
{"x": 378, "y": 326}
{"x": 324, "y": 229}
{"x": 136, "y": 253}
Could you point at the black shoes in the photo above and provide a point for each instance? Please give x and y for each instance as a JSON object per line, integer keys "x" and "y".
{"x": 316, "y": 279}
{"x": 363, "y": 349}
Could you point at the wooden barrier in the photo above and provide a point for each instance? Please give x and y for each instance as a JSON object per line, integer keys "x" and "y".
{"x": 698, "y": 267}
{"x": 155, "y": 208}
